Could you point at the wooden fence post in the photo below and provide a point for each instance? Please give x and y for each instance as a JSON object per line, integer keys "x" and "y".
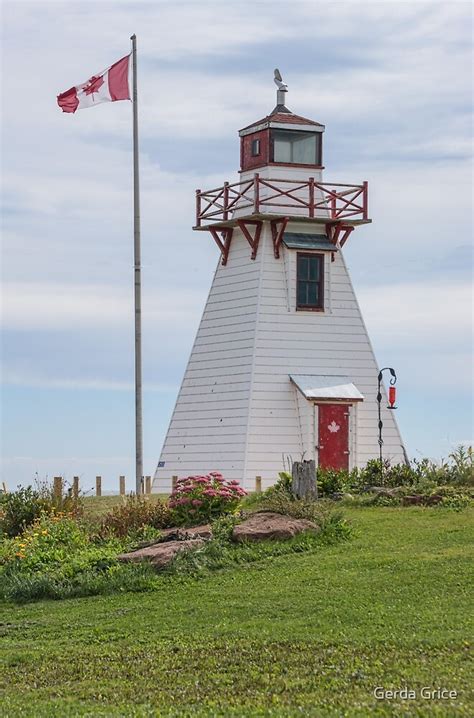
{"x": 174, "y": 479}
{"x": 122, "y": 485}
{"x": 303, "y": 480}
{"x": 142, "y": 485}
{"x": 98, "y": 485}
{"x": 148, "y": 484}
{"x": 258, "y": 484}
{"x": 4, "y": 488}
{"x": 75, "y": 487}
{"x": 58, "y": 487}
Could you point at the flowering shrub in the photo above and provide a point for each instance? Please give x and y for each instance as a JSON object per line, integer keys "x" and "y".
{"x": 199, "y": 499}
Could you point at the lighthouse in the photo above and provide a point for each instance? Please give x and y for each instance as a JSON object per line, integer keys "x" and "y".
{"x": 282, "y": 366}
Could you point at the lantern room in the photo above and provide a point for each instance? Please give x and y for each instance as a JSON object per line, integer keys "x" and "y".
{"x": 283, "y": 139}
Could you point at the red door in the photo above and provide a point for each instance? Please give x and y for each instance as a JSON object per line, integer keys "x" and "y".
{"x": 333, "y": 437}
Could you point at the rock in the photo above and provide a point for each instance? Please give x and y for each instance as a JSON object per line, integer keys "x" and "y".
{"x": 160, "y": 555}
{"x": 178, "y": 533}
{"x": 414, "y": 500}
{"x": 264, "y": 525}
{"x": 382, "y": 491}
{"x": 433, "y": 499}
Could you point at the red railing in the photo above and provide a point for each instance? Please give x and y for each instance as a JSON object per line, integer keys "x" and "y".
{"x": 273, "y": 196}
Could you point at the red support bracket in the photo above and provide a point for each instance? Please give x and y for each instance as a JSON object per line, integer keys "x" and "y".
{"x": 338, "y": 233}
{"x": 223, "y": 242}
{"x": 253, "y": 241}
{"x": 277, "y": 234}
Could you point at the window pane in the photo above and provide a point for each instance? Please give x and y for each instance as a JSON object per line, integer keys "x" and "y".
{"x": 295, "y": 147}
{"x": 304, "y": 150}
{"x": 312, "y": 293}
{"x": 314, "y": 268}
{"x": 302, "y": 294}
{"x": 303, "y": 267}
{"x": 282, "y": 150}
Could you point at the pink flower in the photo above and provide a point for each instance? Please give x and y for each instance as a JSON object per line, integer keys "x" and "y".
{"x": 187, "y": 489}
{"x": 183, "y": 501}
{"x": 196, "y": 502}
{"x": 219, "y": 479}
{"x": 215, "y": 474}
{"x": 234, "y": 482}
{"x": 201, "y": 480}
{"x": 210, "y": 492}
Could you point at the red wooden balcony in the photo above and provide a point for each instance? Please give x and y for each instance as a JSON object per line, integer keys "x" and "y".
{"x": 260, "y": 198}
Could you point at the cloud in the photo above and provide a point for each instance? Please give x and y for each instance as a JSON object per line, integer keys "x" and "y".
{"x": 389, "y": 80}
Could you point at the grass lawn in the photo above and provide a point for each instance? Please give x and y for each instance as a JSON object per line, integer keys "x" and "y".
{"x": 301, "y": 635}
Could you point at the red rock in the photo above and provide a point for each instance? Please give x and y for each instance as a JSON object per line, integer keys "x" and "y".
{"x": 179, "y": 533}
{"x": 412, "y": 500}
{"x": 264, "y": 525}
{"x": 433, "y": 499}
{"x": 160, "y": 555}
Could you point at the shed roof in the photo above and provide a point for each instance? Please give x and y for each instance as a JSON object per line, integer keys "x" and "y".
{"x": 298, "y": 240}
{"x": 324, "y": 387}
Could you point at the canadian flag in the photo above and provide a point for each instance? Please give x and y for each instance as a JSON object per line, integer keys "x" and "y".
{"x": 109, "y": 85}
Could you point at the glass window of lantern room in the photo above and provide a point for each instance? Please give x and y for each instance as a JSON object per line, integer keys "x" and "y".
{"x": 300, "y": 148}
{"x": 309, "y": 281}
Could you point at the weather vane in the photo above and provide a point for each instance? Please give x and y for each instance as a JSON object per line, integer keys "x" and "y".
{"x": 282, "y": 88}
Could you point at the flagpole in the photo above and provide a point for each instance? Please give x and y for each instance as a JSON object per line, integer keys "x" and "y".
{"x": 138, "y": 287}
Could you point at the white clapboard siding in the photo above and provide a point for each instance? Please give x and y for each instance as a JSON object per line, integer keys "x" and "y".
{"x": 237, "y": 411}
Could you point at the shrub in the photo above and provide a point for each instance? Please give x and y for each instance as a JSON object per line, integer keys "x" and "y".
{"x": 22, "y": 507}
{"x": 199, "y": 499}
{"x": 19, "y": 509}
{"x": 135, "y": 518}
{"x": 462, "y": 465}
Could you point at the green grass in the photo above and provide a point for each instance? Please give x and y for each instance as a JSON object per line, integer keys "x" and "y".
{"x": 95, "y": 506}
{"x": 306, "y": 634}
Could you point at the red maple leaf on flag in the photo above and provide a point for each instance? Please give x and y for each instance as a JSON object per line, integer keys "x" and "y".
{"x": 95, "y": 83}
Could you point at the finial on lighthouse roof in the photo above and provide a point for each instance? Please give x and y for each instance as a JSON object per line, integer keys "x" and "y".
{"x": 282, "y": 89}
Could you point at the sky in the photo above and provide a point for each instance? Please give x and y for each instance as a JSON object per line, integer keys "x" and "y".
{"x": 392, "y": 83}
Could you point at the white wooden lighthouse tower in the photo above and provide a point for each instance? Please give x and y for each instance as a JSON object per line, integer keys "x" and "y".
{"x": 282, "y": 365}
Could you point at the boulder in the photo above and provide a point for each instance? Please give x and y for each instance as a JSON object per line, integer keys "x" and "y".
{"x": 265, "y": 525}
{"x": 160, "y": 555}
{"x": 414, "y": 500}
{"x": 178, "y": 533}
{"x": 433, "y": 499}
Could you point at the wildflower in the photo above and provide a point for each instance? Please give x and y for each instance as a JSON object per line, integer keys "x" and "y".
{"x": 196, "y": 502}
